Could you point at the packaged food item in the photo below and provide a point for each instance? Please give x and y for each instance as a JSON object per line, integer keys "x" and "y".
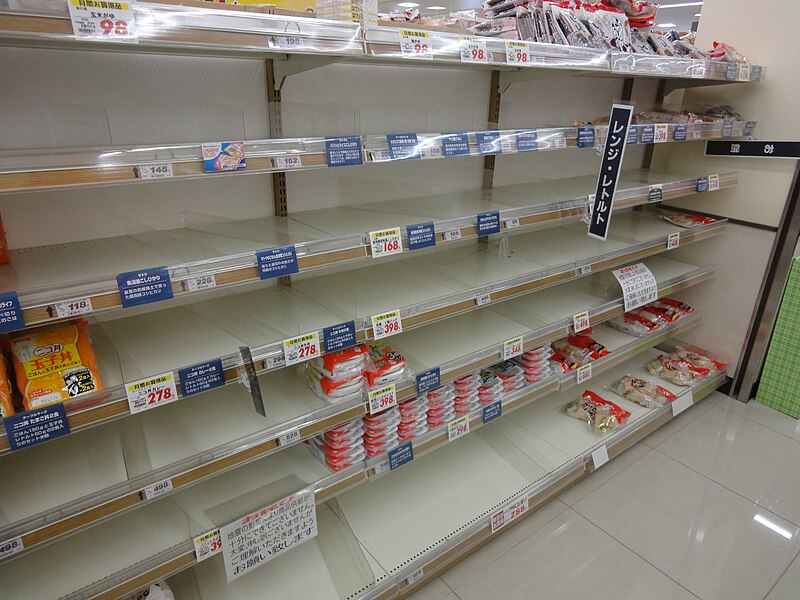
{"x": 578, "y": 348}
{"x": 675, "y": 370}
{"x": 54, "y": 364}
{"x": 6, "y": 397}
{"x": 603, "y": 416}
{"x": 676, "y": 304}
{"x": 330, "y": 390}
{"x": 727, "y": 53}
{"x": 343, "y": 364}
{"x": 468, "y": 382}
{"x": 697, "y": 359}
{"x": 688, "y": 221}
{"x": 665, "y": 313}
{"x": 642, "y": 392}
{"x": 387, "y": 364}
{"x": 635, "y": 323}
{"x": 340, "y": 447}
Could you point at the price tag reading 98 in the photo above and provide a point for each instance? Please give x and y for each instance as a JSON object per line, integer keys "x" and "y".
{"x": 386, "y": 242}
{"x": 110, "y": 21}
{"x": 518, "y": 53}
{"x": 415, "y": 44}
{"x": 473, "y": 50}
{"x": 387, "y": 324}
{"x": 382, "y": 398}
{"x": 301, "y": 348}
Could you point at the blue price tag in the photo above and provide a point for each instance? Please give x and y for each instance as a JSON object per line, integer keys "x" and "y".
{"x": 403, "y": 145}
{"x": 702, "y": 184}
{"x": 492, "y": 411}
{"x": 488, "y": 222}
{"x": 455, "y": 144}
{"x": 732, "y": 71}
{"x": 36, "y": 426}
{"x": 400, "y": 456}
{"x": 429, "y": 380}
{"x": 343, "y": 151}
{"x": 528, "y": 140}
{"x": 680, "y": 132}
{"x": 633, "y": 135}
{"x": 648, "y": 134}
{"x": 420, "y": 236}
{"x": 201, "y": 378}
{"x": 274, "y": 262}
{"x": 339, "y": 336}
{"x": 749, "y": 126}
{"x": 143, "y": 287}
{"x": 585, "y": 137}
{"x": 488, "y": 142}
{"x": 11, "y": 317}
{"x": 755, "y": 73}
{"x": 727, "y": 129}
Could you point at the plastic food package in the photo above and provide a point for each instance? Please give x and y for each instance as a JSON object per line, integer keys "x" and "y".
{"x": 603, "y": 416}
{"x": 688, "y": 221}
{"x": 726, "y": 53}
{"x": 634, "y": 323}
{"x": 578, "y": 348}
{"x": 642, "y": 392}
{"x": 674, "y": 370}
{"x": 54, "y": 364}
{"x": 343, "y": 364}
{"x": 329, "y": 390}
{"x": 6, "y": 398}
{"x": 700, "y": 361}
{"x": 387, "y": 364}
{"x": 676, "y": 304}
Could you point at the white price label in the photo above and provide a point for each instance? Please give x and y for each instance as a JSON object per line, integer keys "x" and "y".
{"x": 744, "y": 72}
{"x": 110, "y": 21}
{"x": 600, "y": 457}
{"x": 433, "y": 150}
{"x": 580, "y": 321}
{"x": 586, "y": 269}
{"x": 380, "y": 155}
{"x": 286, "y": 42}
{"x": 512, "y": 223}
{"x": 662, "y": 133}
{"x": 207, "y": 545}
{"x": 387, "y": 324}
{"x": 79, "y": 306}
{"x": 519, "y": 53}
{"x": 414, "y": 577}
{"x": 483, "y": 299}
{"x": 288, "y": 438}
{"x": 673, "y": 240}
{"x": 415, "y": 44}
{"x": 584, "y": 373}
{"x": 157, "y": 489}
{"x": 275, "y": 361}
{"x": 682, "y": 402}
{"x": 457, "y": 428}
{"x": 151, "y": 392}
{"x": 154, "y": 171}
{"x": 559, "y": 141}
{"x": 453, "y": 234}
{"x": 287, "y": 162}
{"x": 713, "y": 183}
{"x": 512, "y": 348}
{"x": 512, "y": 511}
{"x": 11, "y": 547}
{"x": 301, "y": 348}
{"x": 639, "y": 286}
{"x": 699, "y": 69}
{"x": 382, "y": 398}
{"x": 201, "y": 282}
{"x": 381, "y": 467}
{"x": 386, "y": 242}
{"x": 473, "y": 50}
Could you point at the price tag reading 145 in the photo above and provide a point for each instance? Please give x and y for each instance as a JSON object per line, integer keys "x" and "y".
{"x": 386, "y": 242}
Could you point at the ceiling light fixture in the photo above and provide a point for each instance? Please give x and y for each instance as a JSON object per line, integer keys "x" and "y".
{"x": 665, "y": 25}
{"x": 679, "y": 5}
{"x": 436, "y": 7}
{"x": 408, "y": 4}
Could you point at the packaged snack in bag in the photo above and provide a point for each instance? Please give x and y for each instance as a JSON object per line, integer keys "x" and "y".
{"x": 562, "y": 363}
{"x": 700, "y": 361}
{"x": 675, "y": 370}
{"x": 666, "y": 314}
{"x": 688, "y": 221}
{"x": 6, "y": 399}
{"x": 633, "y": 323}
{"x": 387, "y": 364}
{"x": 726, "y": 53}
{"x": 329, "y": 389}
{"x": 603, "y": 416}
{"x": 642, "y": 392}
{"x": 676, "y": 304}
{"x": 579, "y": 347}
{"x": 54, "y": 364}
{"x": 343, "y": 364}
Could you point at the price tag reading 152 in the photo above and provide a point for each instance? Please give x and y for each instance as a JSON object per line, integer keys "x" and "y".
{"x": 415, "y": 44}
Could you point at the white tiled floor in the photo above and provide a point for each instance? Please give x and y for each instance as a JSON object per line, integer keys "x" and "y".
{"x": 707, "y": 507}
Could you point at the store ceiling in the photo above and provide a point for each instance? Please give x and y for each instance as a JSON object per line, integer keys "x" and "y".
{"x": 670, "y": 11}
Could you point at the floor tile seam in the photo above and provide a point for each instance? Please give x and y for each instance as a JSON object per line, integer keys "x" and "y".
{"x": 631, "y": 550}
{"x": 613, "y": 476}
{"x": 722, "y": 485}
{"x": 786, "y": 570}
{"x": 543, "y": 525}
{"x": 778, "y": 431}
{"x": 644, "y": 441}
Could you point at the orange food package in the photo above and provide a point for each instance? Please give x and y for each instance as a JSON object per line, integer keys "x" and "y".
{"x": 54, "y": 364}
{"x": 6, "y": 401}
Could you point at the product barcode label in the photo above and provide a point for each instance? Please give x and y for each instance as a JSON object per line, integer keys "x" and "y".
{"x": 288, "y": 438}
{"x": 201, "y": 282}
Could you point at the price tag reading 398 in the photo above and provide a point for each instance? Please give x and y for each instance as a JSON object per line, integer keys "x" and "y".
{"x": 386, "y": 242}
{"x": 387, "y": 324}
{"x": 301, "y": 348}
{"x": 382, "y": 398}
{"x": 207, "y": 545}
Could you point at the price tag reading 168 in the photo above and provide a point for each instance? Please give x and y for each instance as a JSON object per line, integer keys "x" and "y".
{"x": 386, "y": 242}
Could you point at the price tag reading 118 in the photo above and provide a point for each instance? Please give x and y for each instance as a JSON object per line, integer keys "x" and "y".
{"x": 386, "y": 242}
{"x": 473, "y": 50}
{"x": 301, "y": 348}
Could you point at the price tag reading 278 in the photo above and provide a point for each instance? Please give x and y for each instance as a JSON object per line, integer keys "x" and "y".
{"x": 301, "y": 348}
{"x": 415, "y": 44}
{"x": 473, "y": 50}
{"x": 151, "y": 392}
{"x": 386, "y": 242}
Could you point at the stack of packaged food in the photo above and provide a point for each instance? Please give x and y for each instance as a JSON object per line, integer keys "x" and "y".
{"x": 441, "y": 405}
{"x": 380, "y": 431}
{"x": 651, "y": 317}
{"x": 340, "y": 447}
{"x": 413, "y": 418}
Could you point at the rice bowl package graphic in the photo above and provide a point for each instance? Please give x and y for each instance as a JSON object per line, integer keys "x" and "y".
{"x": 54, "y": 364}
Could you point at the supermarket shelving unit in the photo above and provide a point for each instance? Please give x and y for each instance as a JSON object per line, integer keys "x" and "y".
{"x": 458, "y": 303}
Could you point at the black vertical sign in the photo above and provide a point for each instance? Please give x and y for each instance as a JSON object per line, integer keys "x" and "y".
{"x": 613, "y": 153}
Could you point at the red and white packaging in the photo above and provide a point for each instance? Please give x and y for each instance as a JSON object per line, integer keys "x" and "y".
{"x": 675, "y": 370}
{"x": 343, "y": 364}
{"x": 387, "y": 364}
{"x": 330, "y": 390}
{"x": 697, "y": 359}
{"x": 602, "y": 415}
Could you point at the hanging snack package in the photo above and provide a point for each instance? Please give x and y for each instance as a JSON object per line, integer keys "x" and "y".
{"x": 387, "y": 364}
{"x": 697, "y": 359}
{"x": 54, "y": 364}
{"x": 675, "y": 370}
{"x": 602, "y": 415}
{"x": 642, "y": 392}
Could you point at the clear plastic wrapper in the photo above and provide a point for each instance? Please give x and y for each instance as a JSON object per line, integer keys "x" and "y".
{"x": 579, "y": 348}
{"x": 603, "y": 416}
{"x": 468, "y": 382}
{"x": 675, "y": 370}
{"x": 697, "y": 359}
{"x": 329, "y": 390}
{"x": 676, "y": 304}
{"x": 642, "y": 392}
{"x": 634, "y": 323}
{"x": 688, "y": 221}
{"x": 343, "y": 364}
{"x": 387, "y": 364}
{"x": 726, "y": 53}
